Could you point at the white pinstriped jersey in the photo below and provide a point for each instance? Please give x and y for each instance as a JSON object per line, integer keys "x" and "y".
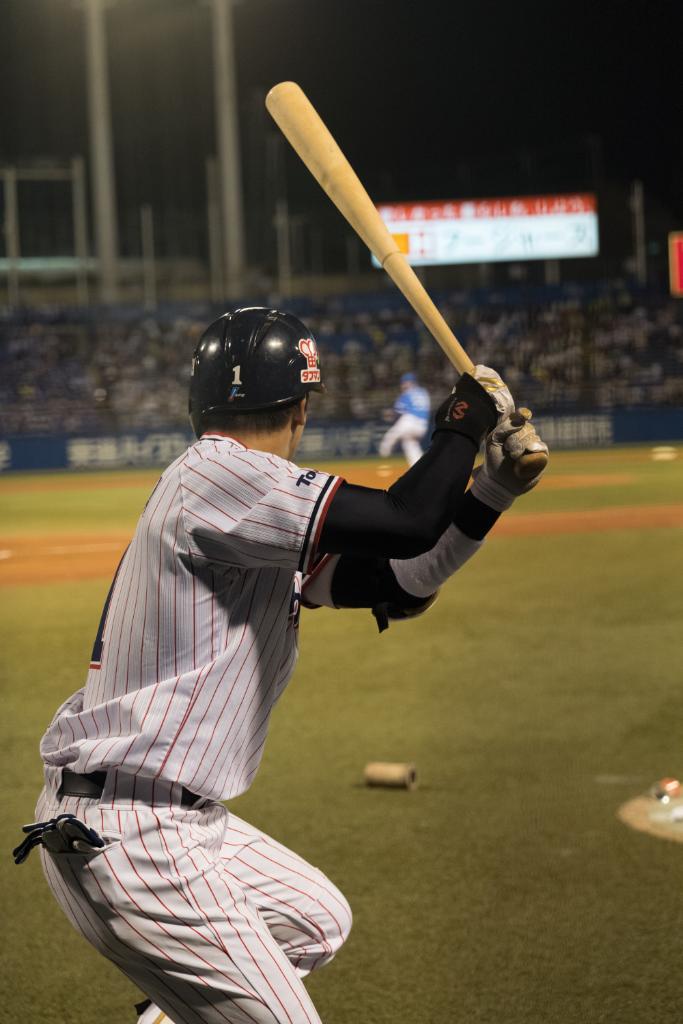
{"x": 199, "y": 634}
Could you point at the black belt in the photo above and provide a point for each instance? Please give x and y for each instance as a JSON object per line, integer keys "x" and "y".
{"x": 91, "y": 785}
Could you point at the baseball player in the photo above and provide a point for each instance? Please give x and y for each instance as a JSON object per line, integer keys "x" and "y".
{"x": 412, "y": 407}
{"x": 210, "y": 917}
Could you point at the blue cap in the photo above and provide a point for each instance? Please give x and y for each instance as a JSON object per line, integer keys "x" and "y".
{"x": 409, "y": 378}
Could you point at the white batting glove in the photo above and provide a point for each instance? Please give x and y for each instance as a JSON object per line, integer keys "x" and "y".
{"x": 497, "y": 389}
{"x": 495, "y": 482}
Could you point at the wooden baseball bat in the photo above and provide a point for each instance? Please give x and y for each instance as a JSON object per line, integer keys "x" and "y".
{"x": 304, "y": 129}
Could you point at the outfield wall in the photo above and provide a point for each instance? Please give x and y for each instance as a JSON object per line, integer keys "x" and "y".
{"x": 326, "y": 440}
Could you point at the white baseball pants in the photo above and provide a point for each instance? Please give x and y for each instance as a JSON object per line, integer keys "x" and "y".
{"x": 214, "y": 921}
{"x": 409, "y": 431}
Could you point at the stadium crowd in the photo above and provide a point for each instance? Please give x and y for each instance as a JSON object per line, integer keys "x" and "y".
{"x": 79, "y": 372}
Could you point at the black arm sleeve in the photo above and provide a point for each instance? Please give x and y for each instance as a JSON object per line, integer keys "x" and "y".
{"x": 369, "y": 582}
{"x": 410, "y": 517}
{"x": 474, "y": 518}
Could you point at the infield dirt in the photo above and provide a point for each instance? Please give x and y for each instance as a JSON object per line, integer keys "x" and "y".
{"x": 72, "y": 554}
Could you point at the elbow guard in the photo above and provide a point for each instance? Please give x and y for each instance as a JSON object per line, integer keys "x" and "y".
{"x": 370, "y": 583}
{"x": 387, "y": 611}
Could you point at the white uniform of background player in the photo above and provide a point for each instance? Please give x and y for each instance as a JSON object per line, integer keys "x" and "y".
{"x": 413, "y": 410}
{"x": 211, "y": 918}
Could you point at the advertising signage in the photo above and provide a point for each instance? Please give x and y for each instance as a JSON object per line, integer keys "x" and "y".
{"x": 494, "y": 230}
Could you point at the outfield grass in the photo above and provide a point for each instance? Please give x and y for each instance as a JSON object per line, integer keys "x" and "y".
{"x": 541, "y": 691}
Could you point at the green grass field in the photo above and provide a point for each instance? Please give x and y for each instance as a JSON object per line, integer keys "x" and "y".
{"x": 541, "y": 691}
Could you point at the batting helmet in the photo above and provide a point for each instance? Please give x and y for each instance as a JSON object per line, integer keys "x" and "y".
{"x": 249, "y": 359}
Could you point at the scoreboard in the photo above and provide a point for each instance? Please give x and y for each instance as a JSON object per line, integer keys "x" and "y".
{"x": 494, "y": 230}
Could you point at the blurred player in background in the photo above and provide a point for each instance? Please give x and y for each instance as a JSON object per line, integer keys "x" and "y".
{"x": 413, "y": 410}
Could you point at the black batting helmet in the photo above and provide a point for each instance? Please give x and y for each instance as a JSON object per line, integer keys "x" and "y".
{"x": 249, "y": 359}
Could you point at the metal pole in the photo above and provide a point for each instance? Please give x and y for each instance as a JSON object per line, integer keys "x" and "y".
{"x": 639, "y": 252}
{"x": 227, "y": 137}
{"x": 149, "y": 270}
{"x": 284, "y": 256}
{"x": 213, "y": 213}
{"x": 12, "y": 247}
{"x": 101, "y": 150}
{"x": 80, "y": 220}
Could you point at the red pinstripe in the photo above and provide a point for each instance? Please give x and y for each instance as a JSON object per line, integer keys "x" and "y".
{"x": 242, "y": 479}
{"x": 161, "y": 928}
{"x": 202, "y": 719}
{"x": 272, "y": 526}
{"x": 254, "y": 732}
{"x": 227, "y": 699}
{"x": 289, "y": 985}
{"x": 293, "y": 871}
{"x": 194, "y": 612}
{"x": 161, "y": 531}
{"x": 175, "y": 597}
{"x": 96, "y": 747}
{"x": 239, "y": 457}
{"x": 216, "y": 486}
{"x": 84, "y": 911}
{"x": 205, "y": 501}
{"x": 159, "y": 949}
{"x": 130, "y": 635}
{"x": 117, "y": 598}
{"x": 291, "y": 906}
{"x": 295, "y": 494}
{"x": 193, "y": 905}
{"x": 235, "y": 734}
{"x": 280, "y": 508}
{"x": 150, "y": 520}
{"x": 120, "y": 959}
{"x": 199, "y": 908}
{"x": 161, "y": 725}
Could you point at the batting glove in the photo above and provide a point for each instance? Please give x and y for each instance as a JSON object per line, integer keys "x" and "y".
{"x": 63, "y": 834}
{"x": 496, "y": 388}
{"x": 496, "y": 483}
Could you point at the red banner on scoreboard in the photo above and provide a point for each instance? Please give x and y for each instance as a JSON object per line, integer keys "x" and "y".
{"x": 518, "y": 206}
{"x": 676, "y": 263}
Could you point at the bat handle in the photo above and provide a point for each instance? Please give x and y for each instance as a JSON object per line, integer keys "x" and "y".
{"x": 530, "y": 465}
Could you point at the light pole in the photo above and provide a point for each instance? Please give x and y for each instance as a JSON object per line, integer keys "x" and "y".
{"x": 101, "y": 149}
{"x": 227, "y": 139}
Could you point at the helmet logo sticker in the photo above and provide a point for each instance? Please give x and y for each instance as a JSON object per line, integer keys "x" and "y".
{"x": 309, "y": 349}
{"x": 236, "y": 384}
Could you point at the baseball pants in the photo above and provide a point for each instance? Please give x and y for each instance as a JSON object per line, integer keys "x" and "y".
{"x": 409, "y": 431}
{"x": 213, "y": 920}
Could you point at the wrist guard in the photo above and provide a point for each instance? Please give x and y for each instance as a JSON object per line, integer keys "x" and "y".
{"x": 468, "y": 410}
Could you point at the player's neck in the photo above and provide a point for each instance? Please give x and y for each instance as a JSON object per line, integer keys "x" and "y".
{"x": 282, "y": 442}
{"x": 275, "y": 442}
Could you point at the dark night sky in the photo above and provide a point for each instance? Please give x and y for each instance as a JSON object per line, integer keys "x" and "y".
{"x": 429, "y": 99}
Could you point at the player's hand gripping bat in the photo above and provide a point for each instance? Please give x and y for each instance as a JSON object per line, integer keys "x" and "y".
{"x": 303, "y": 128}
